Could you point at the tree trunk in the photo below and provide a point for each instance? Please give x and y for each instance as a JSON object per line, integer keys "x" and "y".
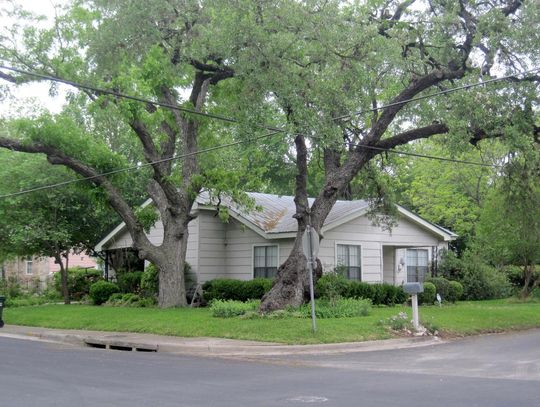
{"x": 291, "y": 287}
{"x": 171, "y": 262}
{"x": 63, "y": 278}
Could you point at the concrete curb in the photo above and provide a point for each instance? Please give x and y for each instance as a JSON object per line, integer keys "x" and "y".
{"x": 203, "y": 346}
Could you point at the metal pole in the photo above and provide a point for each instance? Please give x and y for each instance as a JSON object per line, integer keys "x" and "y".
{"x": 311, "y": 291}
{"x": 414, "y": 300}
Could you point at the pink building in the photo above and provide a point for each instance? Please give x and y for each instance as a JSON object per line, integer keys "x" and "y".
{"x": 34, "y": 273}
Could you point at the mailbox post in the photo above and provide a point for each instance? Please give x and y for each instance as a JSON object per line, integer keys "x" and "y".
{"x": 414, "y": 289}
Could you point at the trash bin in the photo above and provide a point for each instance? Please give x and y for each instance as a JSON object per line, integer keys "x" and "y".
{"x": 2, "y": 300}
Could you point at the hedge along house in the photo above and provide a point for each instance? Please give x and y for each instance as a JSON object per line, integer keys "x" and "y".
{"x": 253, "y": 244}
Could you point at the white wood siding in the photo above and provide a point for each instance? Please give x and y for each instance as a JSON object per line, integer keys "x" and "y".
{"x": 156, "y": 237}
{"x": 211, "y": 247}
{"x": 240, "y": 241}
{"x": 360, "y": 231}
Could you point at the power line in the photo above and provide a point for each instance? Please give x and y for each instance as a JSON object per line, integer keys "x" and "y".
{"x": 432, "y": 157}
{"x": 137, "y": 167}
{"x": 274, "y": 130}
{"x": 233, "y": 120}
{"x": 440, "y": 93}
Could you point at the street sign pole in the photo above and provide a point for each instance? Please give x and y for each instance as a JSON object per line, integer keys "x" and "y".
{"x": 310, "y": 268}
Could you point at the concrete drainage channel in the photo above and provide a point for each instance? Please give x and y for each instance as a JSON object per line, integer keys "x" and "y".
{"x": 119, "y": 345}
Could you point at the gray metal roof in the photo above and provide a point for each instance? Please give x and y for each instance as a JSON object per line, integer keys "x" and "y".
{"x": 277, "y": 211}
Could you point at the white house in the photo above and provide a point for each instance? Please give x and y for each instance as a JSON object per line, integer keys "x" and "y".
{"x": 253, "y": 244}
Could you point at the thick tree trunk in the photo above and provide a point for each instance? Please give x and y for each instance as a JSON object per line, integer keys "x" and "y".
{"x": 291, "y": 287}
{"x": 172, "y": 287}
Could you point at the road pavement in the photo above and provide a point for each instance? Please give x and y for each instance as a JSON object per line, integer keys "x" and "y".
{"x": 495, "y": 370}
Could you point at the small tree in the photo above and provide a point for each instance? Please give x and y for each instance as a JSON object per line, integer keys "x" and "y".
{"x": 509, "y": 228}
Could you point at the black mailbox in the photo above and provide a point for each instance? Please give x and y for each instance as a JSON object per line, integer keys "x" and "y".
{"x": 413, "y": 288}
{"x": 2, "y": 300}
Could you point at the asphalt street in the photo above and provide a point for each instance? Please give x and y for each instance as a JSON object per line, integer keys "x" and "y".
{"x": 498, "y": 370}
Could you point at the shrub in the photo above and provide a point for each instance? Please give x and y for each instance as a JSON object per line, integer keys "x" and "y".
{"x": 359, "y": 289}
{"x": 339, "y": 308}
{"x": 10, "y": 287}
{"x": 442, "y": 286}
{"x": 129, "y": 282}
{"x": 79, "y": 282}
{"x": 101, "y": 291}
{"x": 150, "y": 282}
{"x": 231, "y": 308}
{"x": 450, "y": 266}
{"x": 483, "y": 282}
{"x": 331, "y": 286}
{"x": 516, "y": 277}
{"x": 429, "y": 294}
{"x": 236, "y": 290}
{"x": 455, "y": 292}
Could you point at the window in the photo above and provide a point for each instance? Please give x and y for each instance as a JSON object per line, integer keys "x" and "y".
{"x": 265, "y": 261}
{"x": 29, "y": 265}
{"x": 417, "y": 265}
{"x": 349, "y": 257}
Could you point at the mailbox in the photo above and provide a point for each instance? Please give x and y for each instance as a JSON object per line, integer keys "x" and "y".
{"x": 413, "y": 288}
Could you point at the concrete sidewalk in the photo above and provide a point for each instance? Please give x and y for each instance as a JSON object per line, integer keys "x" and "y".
{"x": 201, "y": 346}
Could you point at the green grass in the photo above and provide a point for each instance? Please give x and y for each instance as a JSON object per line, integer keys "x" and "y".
{"x": 464, "y": 318}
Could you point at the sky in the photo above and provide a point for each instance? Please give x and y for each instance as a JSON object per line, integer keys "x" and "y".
{"x": 25, "y": 99}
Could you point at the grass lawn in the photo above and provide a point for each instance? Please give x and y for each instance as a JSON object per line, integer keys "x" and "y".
{"x": 463, "y": 318}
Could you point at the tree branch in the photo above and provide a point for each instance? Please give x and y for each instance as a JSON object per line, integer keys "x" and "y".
{"x": 410, "y": 135}
{"x": 57, "y": 157}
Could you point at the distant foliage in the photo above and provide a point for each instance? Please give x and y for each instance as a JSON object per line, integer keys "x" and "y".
{"x": 79, "y": 282}
{"x": 101, "y": 291}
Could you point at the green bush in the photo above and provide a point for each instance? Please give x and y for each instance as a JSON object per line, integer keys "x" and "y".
{"x": 236, "y": 290}
{"x": 334, "y": 285}
{"x": 429, "y": 294}
{"x": 442, "y": 286}
{"x": 483, "y": 282}
{"x": 331, "y": 286}
{"x": 150, "y": 282}
{"x": 10, "y": 288}
{"x": 101, "y": 291}
{"x": 450, "y": 266}
{"x": 516, "y": 277}
{"x": 359, "y": 289}
{"x": 455, "y": 292}
{"x": 79, "y": 282}
{"x": 339, "y": 308}
{"x": 129, "y": 282}
{"x": 231, "y": 308}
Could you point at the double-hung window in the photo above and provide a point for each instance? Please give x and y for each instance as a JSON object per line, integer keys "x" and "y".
{"x": 417, "y": 265}
{"x": 349, "y": 258}
{"x": 265, "y": 261}
{"x": 29, "y": 265}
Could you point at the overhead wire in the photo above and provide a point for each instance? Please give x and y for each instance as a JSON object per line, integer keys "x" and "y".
{"x": 273, "y": 130}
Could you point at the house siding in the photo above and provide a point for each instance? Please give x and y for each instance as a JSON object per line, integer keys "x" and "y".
{"x": 361, "y": 231}
{"x": 155, "y": 235}
{"x": 225, "y": 250}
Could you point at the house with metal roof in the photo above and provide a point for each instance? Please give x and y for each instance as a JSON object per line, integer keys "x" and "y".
{"x": 254, "y": 243}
